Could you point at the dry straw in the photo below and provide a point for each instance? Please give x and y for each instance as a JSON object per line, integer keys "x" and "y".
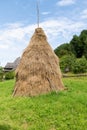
{"x": 38, "y": 71}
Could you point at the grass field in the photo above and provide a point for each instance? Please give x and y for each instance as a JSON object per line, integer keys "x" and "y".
{"x": 66, "y": 110}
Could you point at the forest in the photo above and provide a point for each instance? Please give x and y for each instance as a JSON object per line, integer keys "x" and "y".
{"x": 73, "y": 55}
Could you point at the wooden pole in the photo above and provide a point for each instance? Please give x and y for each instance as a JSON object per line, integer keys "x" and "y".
{"x": 38, "y": 13}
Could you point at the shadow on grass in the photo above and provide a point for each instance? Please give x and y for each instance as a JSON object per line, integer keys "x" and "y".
{"x": 5, "y": 127}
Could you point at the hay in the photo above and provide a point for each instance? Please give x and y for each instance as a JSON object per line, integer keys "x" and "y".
{"x": 38, "y": 71}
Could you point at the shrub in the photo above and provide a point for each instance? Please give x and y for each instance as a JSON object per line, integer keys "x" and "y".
{"x": 1, "y": 76}
{"x": 67, "y": 62}
{"x": 80, "y": 65}
{"x": 9, "y": 75}
{"x": 1, "y": 73}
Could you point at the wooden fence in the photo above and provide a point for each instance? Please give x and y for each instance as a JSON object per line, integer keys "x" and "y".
{"x": 76, "y": 75}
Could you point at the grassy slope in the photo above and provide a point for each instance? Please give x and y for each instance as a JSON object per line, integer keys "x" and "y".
{"x": 56, "y": 111}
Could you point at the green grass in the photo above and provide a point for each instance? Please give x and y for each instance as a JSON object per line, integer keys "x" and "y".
{"x": 66, "y": 110}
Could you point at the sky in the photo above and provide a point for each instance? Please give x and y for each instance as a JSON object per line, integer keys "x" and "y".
{"x": 60, "y": 19}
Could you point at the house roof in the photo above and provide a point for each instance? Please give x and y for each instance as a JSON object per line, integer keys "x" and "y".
{"x": 13, "y": 65}
{"x": 9, "y": 65}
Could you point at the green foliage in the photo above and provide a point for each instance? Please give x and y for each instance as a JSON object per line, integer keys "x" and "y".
{"x": 5, "y": 127}
{"x": 9, "y": 75}
{"x": 1, "y": 73}
{"x": 1, "y": 69}
{"x": 62, "y": 50}
{"x": 80, "y": 65}
{"x": 77, "y": 46}
{"x": 65, "y": 110}
{"x": 1, "y": 76}
{"x": 67, "y": 62}
{"x": 83, "y": 38}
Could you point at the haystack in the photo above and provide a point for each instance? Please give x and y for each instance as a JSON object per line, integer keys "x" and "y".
{"x": 38, "y": 71}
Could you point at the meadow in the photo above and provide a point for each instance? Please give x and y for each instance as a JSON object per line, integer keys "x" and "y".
{"x": 65, "y": 110}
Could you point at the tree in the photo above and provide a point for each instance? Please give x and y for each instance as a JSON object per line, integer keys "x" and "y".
{"x": 1, "y": 73}
{"x": 83, "y": 38}
{"x": 76, "y": 46}
{"x": 62, "y": 50}
{"x": 67, "y": 62}
{"x": 80, "y": 65}
{"x": 10, "y": 75}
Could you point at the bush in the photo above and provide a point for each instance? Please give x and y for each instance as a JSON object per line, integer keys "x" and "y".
{"x": 1, "y": 76}
{"x": 63, "y": 50}
{"x": 9, "y": 75}
{"x": 80, "y": 65}
{"x": 67, "y": 62}
{"x": 1, "y": 73}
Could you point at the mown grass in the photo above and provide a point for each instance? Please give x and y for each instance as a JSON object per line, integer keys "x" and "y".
{"x": 66, "y": 110}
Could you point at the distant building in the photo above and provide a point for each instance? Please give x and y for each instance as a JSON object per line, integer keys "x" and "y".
{"x": 11, "y": 66}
